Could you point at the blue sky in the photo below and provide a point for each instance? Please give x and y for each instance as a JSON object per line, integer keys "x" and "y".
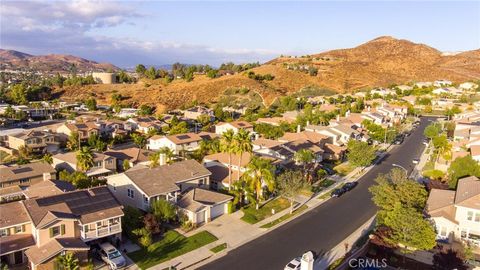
{"x": 130, "y": 32}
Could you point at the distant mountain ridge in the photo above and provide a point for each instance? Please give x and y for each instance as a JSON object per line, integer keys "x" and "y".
{"x": 11, "y": 59}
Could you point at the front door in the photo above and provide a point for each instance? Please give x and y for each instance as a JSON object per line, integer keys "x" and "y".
{"x": 18, "y": 257}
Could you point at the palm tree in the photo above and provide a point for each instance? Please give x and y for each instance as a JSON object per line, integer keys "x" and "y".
{"x": 243, "y": 144}
{"x": 47, "y": 158}
{"x": 73, "y": 141}
{"x": 167, "y": 152}
{"x": 85, "y": 158}
{"x": 154, "y": 160}
{"x": 260, "y": 173}
{"x": 24, "y": 152}
{"x": 323, "y": 119}
{"x": 227, "y": 146}
{"x": 68, "y": 262}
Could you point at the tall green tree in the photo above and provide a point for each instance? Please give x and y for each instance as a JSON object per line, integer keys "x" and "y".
{"x": 140, "y": 69}
{"x": 432, "y": 130}
{"x": 154, "y": 160}
{"x": 47, "y": 158}
{"x": 73, "y": 141}
{"x": 169, "y": 154}
{"x": 67, "y": 262}
{"x": 289, "y": 184}
{"x": 139, "y": 140}
{"x": 360, "y": 153}
{"x": 242, "y": 144}
{"x": 18, "y": 94}
{"x": 163, "y": 210}
{"x": 84, "y": 158}
{"x": 462, "y": 167}
{"x": 227, "y": 146}
{"x": 259, "y": 174}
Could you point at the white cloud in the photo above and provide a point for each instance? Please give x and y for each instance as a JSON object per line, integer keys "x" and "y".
{"x": 69, "y": 27}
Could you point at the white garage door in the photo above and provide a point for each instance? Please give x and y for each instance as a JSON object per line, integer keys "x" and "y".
{"x": 218, "y": 210}
{"x": 201, "y": 217}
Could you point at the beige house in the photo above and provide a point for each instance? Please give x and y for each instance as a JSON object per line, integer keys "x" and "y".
{"x": 197, "y": 111}
{"x": 176, "y": 143}
{"x": 456, "y": 214}
{"x": 220, "y": 128}
{"x": 103, "y": 164}
{"x": 13, "y": 179}
{"x": 84, "y": 130}
{"x": 144, "y": 124}
{"x": 37, "y": 141}
{"x": 140, "y": 186}
{"x": 201, "y": 205}
{"x": 40, "y": 229}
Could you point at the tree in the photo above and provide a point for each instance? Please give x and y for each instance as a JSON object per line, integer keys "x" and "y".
{"x": 91, "y": 104}
{"x": 18, "y": 94}
{"x": 432, "y": 130}
{"x": 145, "y": 110}
{"x": 131, "y": 220}
{"x": 151, "y": 73}
{"x": 409, "y": 229}
{"x": 179, "y": 128}
{"x": 126, "y": 165}
{"x": 140, "y": 69}
{"x": 79, "y": 179}
{"x": 462, "y": 167}
{"x": 395, "y": 187}
{"x": 163, "y": 210}
{"x": 360, "y": 153}
{"x": 260, "y": 173}
{"x": 169, "y": 154}
{"x": 212, "y": 73}
{"x": 227, "y": 146}
{"x": 289, "y": 185}
{"x": 154, "y": 160}
{"x": 304, "y": 156}
{"x": 448, "y": 259}
{"x": 84, "y": 158}
{"x": 95, "y": 142}
{"x": 24, "y": 152}
{"x": 144, "y": 237}
{"x": 73, "y": 141}
{"x": 47, "y": 158}
{"x": 139, "y": 140}
{"x": 242, "y": 144}
{"x": 67, "y": 262}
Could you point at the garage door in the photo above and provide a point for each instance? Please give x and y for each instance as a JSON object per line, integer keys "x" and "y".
{"x": 218, "y": 210}
{"x": 201, "y": 217}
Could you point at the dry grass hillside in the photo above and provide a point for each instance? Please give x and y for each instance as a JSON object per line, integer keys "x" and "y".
{"x": 380, "y": 62}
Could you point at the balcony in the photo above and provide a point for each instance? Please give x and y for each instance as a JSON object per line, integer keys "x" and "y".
{"x": 101, "y": 231}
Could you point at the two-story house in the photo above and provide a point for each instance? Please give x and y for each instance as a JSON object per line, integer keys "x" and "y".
{"x": 220, "y": 128}
{"x": 40, "y": 229}
{"x": 456, "y": 214}
{"x": 14, "y": 179}
{"x": 144, "y": 124}
{"x": 133, "y": 155}
{"x": 37, "y": 141}
{"x": 176, "y": 143}
{"x": 141, "y": 185}
{"x": 103, "y": 164}
{"x": 197, "y": 111}
{"x": 218, "y": 165}
{"x": 83, "y": 130}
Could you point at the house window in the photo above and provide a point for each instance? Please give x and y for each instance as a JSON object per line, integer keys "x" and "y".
{"x": 130, "y": 193}
{"x": 24, "y": 181}
{"x": 57, "y": 230}
{"x": 477, "y": 217}
{"x": 463, "y": 233}
{"x": 201, "y": 182}
{"x": 145, "y": 199}
{"x": 4, "y": 232}
{"x": 470, "y": 215}
{"x": 443, "y": 231}
{"x": 19, "y": 229}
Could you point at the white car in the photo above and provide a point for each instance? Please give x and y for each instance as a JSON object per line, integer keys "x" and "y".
{"x": 416, "y": 161}
{"x": 293, "y": 264}
{"x": 112, "y": 257}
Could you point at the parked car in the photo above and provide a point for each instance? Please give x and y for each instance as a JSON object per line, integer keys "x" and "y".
{"x": 398, "y": 140}
{"x": 111, "y": 256}
{"x": 293, "y": 264}
{"x": 415, "y": 161}
{"x": 349, "y": 186}
{"x": 337, "y": 192}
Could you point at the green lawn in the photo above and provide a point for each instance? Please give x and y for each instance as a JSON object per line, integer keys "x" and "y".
{"x": 344, "y": 168}
{"x": 284, "y": 217}
{"x": 170, "y": 246}
{"x": 252, "y": 216}
{"x": 219, "y": 248}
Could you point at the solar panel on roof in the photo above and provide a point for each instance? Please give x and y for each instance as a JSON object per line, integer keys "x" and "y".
{"x": 241, "y": 124}
{"x": 183, "y": 137}
{"x": 22, "y": 170}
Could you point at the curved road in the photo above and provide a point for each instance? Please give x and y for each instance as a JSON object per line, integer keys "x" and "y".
{"x": 324, "y": 227}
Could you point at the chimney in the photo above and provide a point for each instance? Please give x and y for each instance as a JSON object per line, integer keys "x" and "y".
{"x": 163, "y": 159}
{"x": 299, "y": 128}
{"x": 47, "y": 176}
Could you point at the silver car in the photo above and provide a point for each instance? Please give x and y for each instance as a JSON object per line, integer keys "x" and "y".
{"x": 112, "y": 257}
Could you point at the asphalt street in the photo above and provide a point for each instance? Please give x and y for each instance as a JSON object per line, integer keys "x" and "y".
{"x": 327, "y": 225}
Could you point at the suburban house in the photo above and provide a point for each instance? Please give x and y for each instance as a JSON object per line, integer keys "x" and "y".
{"x": 220, "y": 128}
{"x": 103, "y": 164}
{"x": 144, "y": 124}
{"x": 134, "y": 155}
{"x": 84, "y": 130}
{"x": 218, "y": 165}
{"x": 467, "y": 86}
{"x": 197, "y": 111}
{"x": 37, "y": 141}
{"x": 141, "y": 185}
{"x": 127, "y": 112}
{"x": 339, "y": 134}
{"x": 202, "y": 205}
{"x": 176, "y": 143}
{"x": 14, "y": 179}
{"x": 456, "y": 214}
{"x": 440, "y": 83}
{"x": 47, "y": 188}
{"x": 275, "y": 121}
{"x": 40, "y": 229}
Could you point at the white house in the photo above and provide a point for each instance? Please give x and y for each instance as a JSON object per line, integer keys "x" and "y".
{"x": 127, "y": 112}
{"x": 441, "y": 83}
{"x": 467, "y": 86}
{"x": 456, "y": 214}
{"x": 176, "y": 143}
{"x": 201, "y": 205}
{"x": 220, "y": 128}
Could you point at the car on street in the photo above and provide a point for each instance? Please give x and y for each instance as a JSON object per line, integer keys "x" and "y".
{"x": 337, "y": 192}
{"x": 349, "y": 186}
{"x": 111, "y": 256}
{"x": 415, "y": 161}
{"x": 293, "y": 264}
{"x": 398, "y": 140}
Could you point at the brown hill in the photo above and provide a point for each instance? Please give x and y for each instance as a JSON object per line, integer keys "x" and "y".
{"x": 379, "y": 62}
{"x": 11, "y": 59}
